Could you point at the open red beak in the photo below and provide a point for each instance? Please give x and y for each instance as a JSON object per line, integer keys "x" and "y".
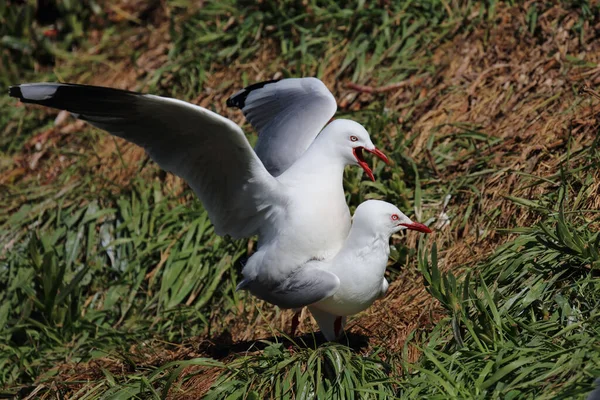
{"x": 416, "y": 226}
{"x": 361, "y": 160}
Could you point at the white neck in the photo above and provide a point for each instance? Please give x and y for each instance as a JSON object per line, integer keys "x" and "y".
{"x": 360, "y": 238}
{"x": 322, "y": 162}
{"x": 367, "y": 246}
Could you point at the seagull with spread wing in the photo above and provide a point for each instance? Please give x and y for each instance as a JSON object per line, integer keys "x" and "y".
{"x": 288, "y": 190}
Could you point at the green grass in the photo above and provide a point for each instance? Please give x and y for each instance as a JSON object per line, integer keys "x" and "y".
{"x": 523, "y": 324}
{"x": 99, "y": 254}
{"x": 92, "y": 268}
{"x": 331, "y": 371}
{"x": 363, "y": 35}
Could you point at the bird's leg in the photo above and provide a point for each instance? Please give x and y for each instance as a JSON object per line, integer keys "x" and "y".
{"x": 295, "y": 322}
{"x": 337, "y": 326}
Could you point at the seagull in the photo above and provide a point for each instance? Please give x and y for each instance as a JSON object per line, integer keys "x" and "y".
{"x": 354, "y": 278}
{"x": 288, "y": 191}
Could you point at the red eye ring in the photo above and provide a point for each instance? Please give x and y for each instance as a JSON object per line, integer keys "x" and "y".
{"x": 395, "y": 217}
{"x": 353, "y": 138}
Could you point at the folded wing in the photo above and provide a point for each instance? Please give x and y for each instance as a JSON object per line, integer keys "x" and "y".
{"x": 288, "y": 114}
{"x": 305, "y": 286}
{"x": 208, "y": 151}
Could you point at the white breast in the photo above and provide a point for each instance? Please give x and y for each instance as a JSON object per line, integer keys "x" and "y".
{"x": 315, "y": 226}
{"x": 360, "y": 273}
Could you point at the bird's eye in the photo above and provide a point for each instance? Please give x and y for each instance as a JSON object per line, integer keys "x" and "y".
{"x": 354, "y": 138}
{"x": 395, "y": 217}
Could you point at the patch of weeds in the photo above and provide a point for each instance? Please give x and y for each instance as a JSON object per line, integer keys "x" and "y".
{"x": 31, "y": 33}
{"x": 522, "y": 324}
{"x": 93, "y": 275}
{"x": 365, "y": 38}
{"x": 331, "y": 371}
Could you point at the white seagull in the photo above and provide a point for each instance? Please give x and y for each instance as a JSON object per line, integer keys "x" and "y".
{"x": 298, "y": 210}
{"x": 356, "y": 273}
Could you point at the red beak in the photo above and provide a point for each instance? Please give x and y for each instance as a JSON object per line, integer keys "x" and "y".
{"x": 416, "y": 226}
{"x": 361, "y": 160}
{"x": 379, "y": 154}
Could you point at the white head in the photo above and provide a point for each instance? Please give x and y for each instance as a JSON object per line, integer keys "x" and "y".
{"x": 382, "y": 218}
{"x": 351, "y": 138}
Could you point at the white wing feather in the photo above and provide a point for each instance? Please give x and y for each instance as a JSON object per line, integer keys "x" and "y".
{"x": 208, "y": 151}
{"x": 288, "y": 114}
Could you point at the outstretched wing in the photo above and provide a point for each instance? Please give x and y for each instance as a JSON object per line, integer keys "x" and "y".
{"x": 288, "y": 115}
{"x": 208, "y": 151}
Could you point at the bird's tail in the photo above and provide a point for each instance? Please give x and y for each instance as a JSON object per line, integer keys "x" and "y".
{"x": 332, "y": 326}
{"x": 242, "y": 285}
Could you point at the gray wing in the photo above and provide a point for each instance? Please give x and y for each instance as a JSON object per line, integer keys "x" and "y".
{"x": 288, "y": 115}
{"x": 305, "y": 286}
{"x": 208, "y": 151}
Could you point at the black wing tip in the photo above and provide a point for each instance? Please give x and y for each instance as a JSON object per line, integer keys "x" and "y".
{"x": 238, "y": 100}
{"x": 15, "y": 91}
{"x": 84, "y": 100}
